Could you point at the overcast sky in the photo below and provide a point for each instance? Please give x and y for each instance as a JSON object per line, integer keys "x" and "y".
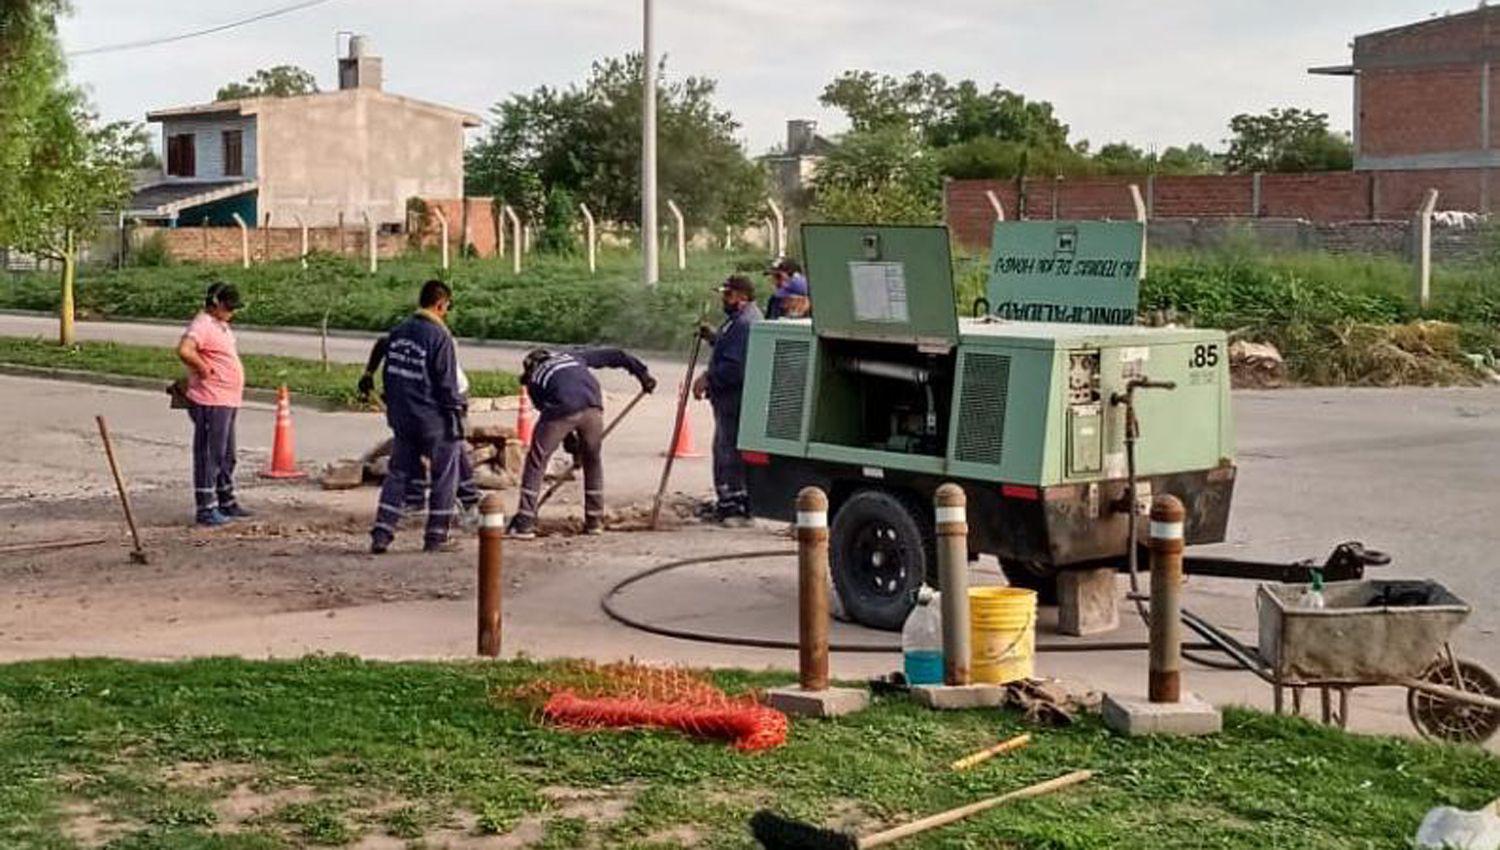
{"x": 1151, "y": 72}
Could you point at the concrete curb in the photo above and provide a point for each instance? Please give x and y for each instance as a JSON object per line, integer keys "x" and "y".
{"x": 263, "y": 396}
{"x": 521, "y": 346}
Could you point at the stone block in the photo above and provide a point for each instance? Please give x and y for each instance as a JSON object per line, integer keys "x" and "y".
{"x": 343, "y": 474}
{"x": 834, "y": 702}
{"x": 1087, "y": 602}
{"x": 959, "y": 697}
{"x": 1136, "y": 716}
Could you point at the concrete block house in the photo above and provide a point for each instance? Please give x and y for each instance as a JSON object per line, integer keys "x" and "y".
{"x": 308, "y": 159}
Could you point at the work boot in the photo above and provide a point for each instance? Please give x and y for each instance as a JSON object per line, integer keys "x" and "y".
{"x": 593, "y": 526}
{"x": 442, "y": 547}
{"x": 732, "y": 515}
{"x": 234, "y": 511}
{"x": 379, "y": 544}
{"x": 521, "y": 528}
{"x": 212, "y": 518}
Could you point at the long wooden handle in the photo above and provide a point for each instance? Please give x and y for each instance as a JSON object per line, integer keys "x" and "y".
{"x": 682, "y": 402}
{"x": 109, "y": 452}
{"x": 986, "y": 754}
{"x": 881, "y": 839}
{"x": 561, "y": 479}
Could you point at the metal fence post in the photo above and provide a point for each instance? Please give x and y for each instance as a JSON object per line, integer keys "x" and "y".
{"x": 491, "y": 532}
{"x": 1424, "y": 248}
{"x": 244, "y": 241}
{"x": 812, "y": 589}
{"x": 1164, "y": 683}
{"x": 592, "y": 234}
{"x": 681, "y": 234}
{"x": 951, "y": 513}
{"x": 443, "y": 230}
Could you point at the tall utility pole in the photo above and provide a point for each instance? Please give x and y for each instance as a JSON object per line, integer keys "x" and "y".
{"x": 651, "y": 271}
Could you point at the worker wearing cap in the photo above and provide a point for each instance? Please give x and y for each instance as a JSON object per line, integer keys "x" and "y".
{"x": 790, "y": 299}
{"x": 215, "y": 389}
{"x": 722, "y": 383}
{"x": 569, "y": 400}
{"x": 425, "y": 409}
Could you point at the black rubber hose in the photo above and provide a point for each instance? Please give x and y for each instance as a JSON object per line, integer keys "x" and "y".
{"x": 606, "y": 603}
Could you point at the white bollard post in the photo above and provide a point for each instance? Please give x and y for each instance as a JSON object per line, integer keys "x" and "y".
{"x": 443, "y": 230}
{"x": 995, "y": 204}
{"x": 591, "y": 235}
{"x": 1424, "y": 248}
{"x": 780, "y": 227}
{"x": 370, "y": 241}
{"x": 302, "y": 225}
{"x": 515, "y": 239}
{"x": 681, "y": 234}
{"x": 244, "y": 241}
{"x": 770, "y": 227}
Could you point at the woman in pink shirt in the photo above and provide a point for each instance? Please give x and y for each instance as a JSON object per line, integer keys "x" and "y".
{"x": 216, "y": 388}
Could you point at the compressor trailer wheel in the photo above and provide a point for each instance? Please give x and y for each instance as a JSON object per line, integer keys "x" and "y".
{"x": 1446, "y": 719}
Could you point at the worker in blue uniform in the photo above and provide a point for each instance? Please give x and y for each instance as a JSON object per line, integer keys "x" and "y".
{"x": 722, "y": 384}
{"x": 569, "y": 401}
{"x": 425, "y": 409}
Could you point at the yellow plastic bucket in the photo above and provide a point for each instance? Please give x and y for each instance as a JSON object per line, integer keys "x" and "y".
{"x": 1002, "y": 634}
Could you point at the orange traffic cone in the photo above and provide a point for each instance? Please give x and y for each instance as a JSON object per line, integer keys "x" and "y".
{"x": 283, "y": 451}
{"x": 525, "y": 422}
{"x": 682, "y": 443}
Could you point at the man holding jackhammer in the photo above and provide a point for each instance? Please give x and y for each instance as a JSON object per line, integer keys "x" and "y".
{"x": 425, "y": 410}
{"x": 568, "y": 396}
{"x": 722, "y": 384}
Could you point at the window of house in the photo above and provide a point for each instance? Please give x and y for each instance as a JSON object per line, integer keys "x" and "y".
{"x": 234, "y": 153}
{"x": 181, "y": 161}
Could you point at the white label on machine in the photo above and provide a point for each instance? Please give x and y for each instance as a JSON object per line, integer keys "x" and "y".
{"x": 873, "y": 472}
{"x": 1114, "y": 465}
{"x": 1135, "y": 354}
{"x": 879, "y": 291}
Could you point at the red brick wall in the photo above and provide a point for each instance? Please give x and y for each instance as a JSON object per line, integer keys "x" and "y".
{"x": 221, "y": 245}
{"x": 471, "y": 221}
{"x": 1405, "y": 112}
{"x": 1323, "y": 197}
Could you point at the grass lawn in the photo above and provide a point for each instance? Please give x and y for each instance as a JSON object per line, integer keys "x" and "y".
{"x": 336, "y": 751}
{"x": 308, "y": 377}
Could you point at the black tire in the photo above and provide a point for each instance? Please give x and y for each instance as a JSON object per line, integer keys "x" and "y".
{"x": 882, "y": 548}
{"x": 1030, "y": 575}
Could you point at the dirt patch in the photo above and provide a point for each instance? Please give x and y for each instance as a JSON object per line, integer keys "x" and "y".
{"x": 681, "y": 836}
{"x": 245, "y": 804}
{"x": 86, "y": 826}
{"x": 208, "y": 774}
{"x": 598, "y": 806}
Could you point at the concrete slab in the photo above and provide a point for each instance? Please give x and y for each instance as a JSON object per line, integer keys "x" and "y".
{"x": 960, "y": 697}
{"x": 833, "y": 702}
{"x": 1136, "y": 716}
{"x": 1086, "y": 602}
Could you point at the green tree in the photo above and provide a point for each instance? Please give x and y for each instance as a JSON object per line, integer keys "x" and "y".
{"x": 586, "y": 139}
{"x": 943, "y": 114}
{"x": 1286, "y": 140}
{"x": 559, "y": 219}
{"x": 60, "y": 170}
{"x": 880, "y": 175}
{"x": 276, "y": 81}
{"x": 1193, "y": 159}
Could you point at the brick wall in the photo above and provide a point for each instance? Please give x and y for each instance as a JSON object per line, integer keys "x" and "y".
{"x": 221, "y": 245}
{"x": 1323, "y": 197}
{"x": 471, "y": 221}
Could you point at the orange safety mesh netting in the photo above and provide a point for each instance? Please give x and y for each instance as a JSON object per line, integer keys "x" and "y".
{"x": 632, "y": 696}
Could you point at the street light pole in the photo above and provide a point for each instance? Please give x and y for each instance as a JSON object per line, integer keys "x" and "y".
{"x": 652, "y": 268}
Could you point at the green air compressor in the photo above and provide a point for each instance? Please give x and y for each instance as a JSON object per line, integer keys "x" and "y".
{"x": 885, "y": 393}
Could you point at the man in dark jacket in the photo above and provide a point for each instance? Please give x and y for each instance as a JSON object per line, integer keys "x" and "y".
{"x": 425, "y": 410}
{"x": 416, "y": 489}
{"x": 722, "y": 384}
{"x": 568, "y": 397}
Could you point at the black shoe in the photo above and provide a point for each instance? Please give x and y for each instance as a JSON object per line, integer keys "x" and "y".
{"x": 593, "y": 526}
{"x": 378, "y": 546}
{"x": 521, "y": 529}
{"x": 442, "y": 547}
{"x": 235, "y": 511}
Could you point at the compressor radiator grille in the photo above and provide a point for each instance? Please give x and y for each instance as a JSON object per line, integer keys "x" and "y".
{"x": 981, "y": 419}
{"x": 788, "y": 389}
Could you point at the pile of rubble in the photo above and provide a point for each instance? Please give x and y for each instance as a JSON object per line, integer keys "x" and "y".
{"x": 497, "y": 456}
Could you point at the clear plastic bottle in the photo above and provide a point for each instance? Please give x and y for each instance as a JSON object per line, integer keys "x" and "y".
{"x": 1312, "y": 597}
{"x": 922, "y": 640}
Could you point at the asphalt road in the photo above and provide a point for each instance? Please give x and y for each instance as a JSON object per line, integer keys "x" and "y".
{"x": 1415, "y": 472}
